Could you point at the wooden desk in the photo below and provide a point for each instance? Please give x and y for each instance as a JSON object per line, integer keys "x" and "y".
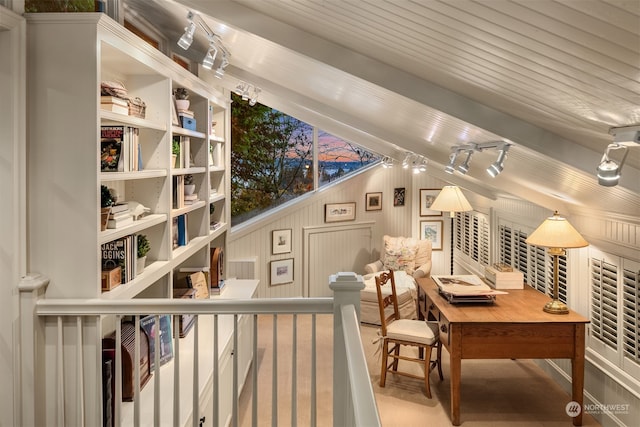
{"x": 514, "y": 327}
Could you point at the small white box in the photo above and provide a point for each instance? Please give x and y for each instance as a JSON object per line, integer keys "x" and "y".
{"x": 504, "y": 279}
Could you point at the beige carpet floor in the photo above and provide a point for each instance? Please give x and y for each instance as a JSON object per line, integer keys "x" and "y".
{"x": 495, "y": 393}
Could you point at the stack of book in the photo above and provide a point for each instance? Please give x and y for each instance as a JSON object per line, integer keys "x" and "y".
{"x": 187, "y": 119}
{"x": 119, "y": 216}
{"x": 115, "y": 104}
{"x": 190, "y": 199}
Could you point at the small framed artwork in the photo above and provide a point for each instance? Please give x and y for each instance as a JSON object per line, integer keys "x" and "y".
{"x": 335, "y": 212}
{"x": 281, "y": 241}
{"x": 398, "y": 196}
{"x": 373, "y": 202}
{"x": 432, "y": 230}
{"x": 282, "y": 271}
{"x": 427, "y": 196}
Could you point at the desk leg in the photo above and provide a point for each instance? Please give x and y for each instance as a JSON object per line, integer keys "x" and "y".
{"x": 455, "y": 363}
{"x": 577, "y": 371}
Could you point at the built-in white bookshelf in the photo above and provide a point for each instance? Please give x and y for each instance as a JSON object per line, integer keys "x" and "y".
{"x": 64, "y": 100}
{"x": 70, "y": 55}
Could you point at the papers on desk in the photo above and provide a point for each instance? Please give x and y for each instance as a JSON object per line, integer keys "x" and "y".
{"x": 465, "y": 288}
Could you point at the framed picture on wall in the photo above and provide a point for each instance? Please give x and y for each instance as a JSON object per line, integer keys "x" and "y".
{"x": 432, "y": 230}
{"x": 335, "y": 212}
{"x": 281, "y": 271}
{"x": 373, "y": 202}
{"x": 427, "y": 196}
{"x": 398, "y": 196}
{"x": 281, "y": 241}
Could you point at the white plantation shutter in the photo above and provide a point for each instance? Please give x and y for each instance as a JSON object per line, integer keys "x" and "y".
{"x": 562, "y": 278}
{"x": 604, "y": 319}
{"x": 459, "y": 232}
{"x": 505, "y": 244}
{"x": 475, "y": 239}
{"x": 483, "y": 244}
{"x": 631, "y": 313}
{"x": 520, "y": 252}
{"x": 537, "y": 271}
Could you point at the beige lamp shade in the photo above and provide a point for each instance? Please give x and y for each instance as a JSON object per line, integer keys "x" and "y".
{"x": 451, "y": 199}
{"x": 556, "y": 232}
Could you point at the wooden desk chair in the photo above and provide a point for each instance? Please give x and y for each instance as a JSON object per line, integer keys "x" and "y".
{"x": 397, "y": 332}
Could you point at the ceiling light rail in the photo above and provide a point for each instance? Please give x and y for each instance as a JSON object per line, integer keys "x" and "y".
{"x": 496, "y": 167}
{"x": 216, "y": 46}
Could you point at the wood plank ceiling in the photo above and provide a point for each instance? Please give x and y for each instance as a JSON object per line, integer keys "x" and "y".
{"x": 552, "y": 76}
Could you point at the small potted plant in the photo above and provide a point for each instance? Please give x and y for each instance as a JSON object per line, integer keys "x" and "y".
{"x": 106, "y": 201}
{"x": 189, "y": 186}
{"x": 182, "y": 98}
{"x": 175, "y": 153}
{"x": 143, "y": 250}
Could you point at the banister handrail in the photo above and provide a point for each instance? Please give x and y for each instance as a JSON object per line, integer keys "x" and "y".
{"x": 143, "y": 306}
{"x": 364, "y": 402}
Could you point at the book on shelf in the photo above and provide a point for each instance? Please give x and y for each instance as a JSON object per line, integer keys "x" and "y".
{"x": 186, "y": 113}
{"x": 122, "y": 141}
{"x": 174, "y": 232}
{"x": 110, "y": 151}
{"x": 163, "y": 333}
{"x": 120, "y": 252}
{"x": 115, "y": 108}
{"x": 191, "y": 197}
{"x": 178, "y": 191}
{"x": 217, "y": 290}
{"x": 107, "y": 99}
{"x": 183, "y": 272}
{"x": 184, "y": 154}
{"x": 196, "y": 280}
{"x": 119, "y": 207}
{"x": 120, "y": 222}
{"x": 183, "y": 233}
{"x": 120, "y": 215}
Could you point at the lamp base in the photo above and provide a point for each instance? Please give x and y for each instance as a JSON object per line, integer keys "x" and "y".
{"x": 556, "y": 307}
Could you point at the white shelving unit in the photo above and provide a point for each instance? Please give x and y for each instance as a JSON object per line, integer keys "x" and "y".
{"x": 65, "y": 145}
{"x": 70, "y": 54}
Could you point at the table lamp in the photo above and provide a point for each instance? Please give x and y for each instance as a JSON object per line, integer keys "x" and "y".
{"x": 556, "y": 234}
{"x": 450, "y": 199}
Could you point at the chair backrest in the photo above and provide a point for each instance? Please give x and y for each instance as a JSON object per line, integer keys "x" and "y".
{"x": 384, "y": 301}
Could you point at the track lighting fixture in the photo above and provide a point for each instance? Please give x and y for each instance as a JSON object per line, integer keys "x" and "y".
{"x": 609, "y": 170}
{"x": 215, "y": 44}
{"x": 416, "y": 162}
{"x": 248, "y": 92}
{"x": 493, "y": 170}
{"x": 387, "y": 162}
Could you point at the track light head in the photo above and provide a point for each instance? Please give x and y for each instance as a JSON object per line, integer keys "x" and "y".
{"x": 609, "y": 169}
{"x": 210, "y": 58}
{"x": 451, "y": 167}
{"x": 496, "y": 168}
{"x": 464, "y": 167}
{"x": 223, "y": 64}
{"x": 254, "y": 98}
{"x": 187, "y": 38}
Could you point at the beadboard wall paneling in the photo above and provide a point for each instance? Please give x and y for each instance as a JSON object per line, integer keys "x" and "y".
{"x": 254, "y": 240}
{"x": 340, "y": 247}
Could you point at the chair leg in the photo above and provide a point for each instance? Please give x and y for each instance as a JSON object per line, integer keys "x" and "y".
{"x": 383, "y": 372}
{"x": 427, "y": 370}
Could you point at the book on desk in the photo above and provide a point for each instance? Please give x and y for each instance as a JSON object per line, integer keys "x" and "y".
{"x": 465, "y": 289}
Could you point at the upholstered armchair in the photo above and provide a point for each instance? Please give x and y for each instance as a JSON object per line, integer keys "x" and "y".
{"x": 403, "y": 254}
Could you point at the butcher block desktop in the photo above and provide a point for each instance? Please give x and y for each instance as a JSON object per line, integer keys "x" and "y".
{"x": 514, "y": 327}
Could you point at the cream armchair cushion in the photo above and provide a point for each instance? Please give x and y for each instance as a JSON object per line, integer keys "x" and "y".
{"x": 405, "y": 254}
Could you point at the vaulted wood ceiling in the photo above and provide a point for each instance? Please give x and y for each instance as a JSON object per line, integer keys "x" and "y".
{"x": 396, "y": 75}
